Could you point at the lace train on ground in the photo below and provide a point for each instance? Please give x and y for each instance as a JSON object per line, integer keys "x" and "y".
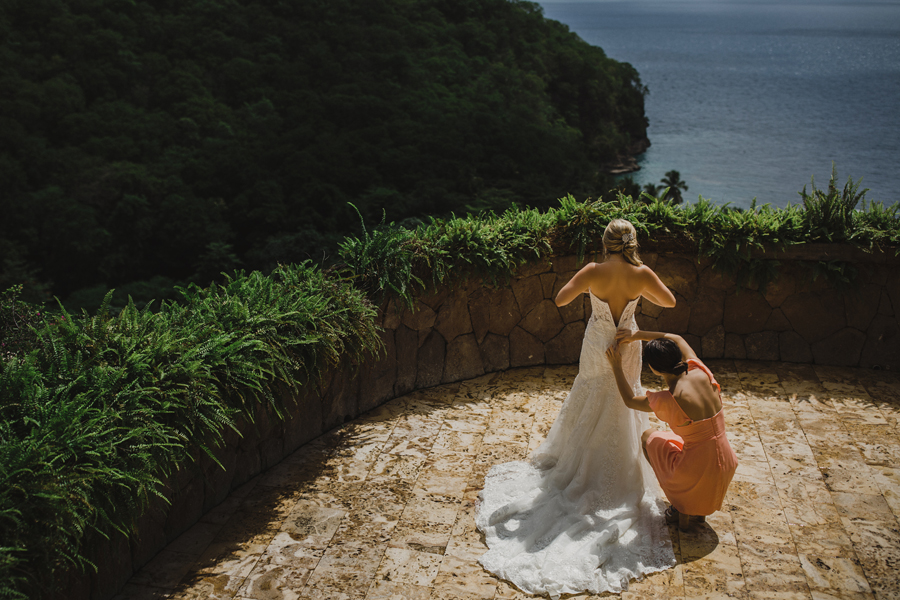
{"x": 585, "y": 513}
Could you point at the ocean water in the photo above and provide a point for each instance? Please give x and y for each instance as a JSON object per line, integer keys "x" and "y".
{"x": 752, "y": 99}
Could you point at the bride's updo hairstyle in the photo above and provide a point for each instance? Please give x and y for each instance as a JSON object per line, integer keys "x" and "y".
{"x": 621, "y": 238}
{"x": 664, "y": 355}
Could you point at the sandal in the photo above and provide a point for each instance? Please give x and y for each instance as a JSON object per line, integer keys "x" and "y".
{"x": 673, "y": 515}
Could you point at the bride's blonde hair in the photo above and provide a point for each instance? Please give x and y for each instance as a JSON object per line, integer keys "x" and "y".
{"x": 620, "y": 237}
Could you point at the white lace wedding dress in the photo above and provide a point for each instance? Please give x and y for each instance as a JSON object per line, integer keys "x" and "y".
{"x": 585, "y": 513}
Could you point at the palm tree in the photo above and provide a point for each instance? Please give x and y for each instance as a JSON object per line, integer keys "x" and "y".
{"x": 673, "y": 181}
{"x": 655, "y": 191}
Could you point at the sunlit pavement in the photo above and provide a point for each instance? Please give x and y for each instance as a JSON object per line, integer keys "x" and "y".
{"x": 384, "y": 507}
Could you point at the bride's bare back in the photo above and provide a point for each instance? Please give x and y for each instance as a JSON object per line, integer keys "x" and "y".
{"x": 617, "y": 282}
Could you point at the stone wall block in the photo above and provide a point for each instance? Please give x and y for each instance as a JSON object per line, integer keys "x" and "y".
{"x": 247, "y": 464}
{"x": 879, "y": 274}
{"x": 650, "y": 259}
{"x": 861, "y": 305}
{"x": 453, "y": 316}
{"x": 649, "y": 309}
{"x": 342, "y": 399}
{"x": 573, "y": 311}
{"x": 187, "y": 505}
{"x": 376, "y": 389}
{"x": 734, "y": 346}
{"x": 435, "y": 298}
{"x": 815, "y": 316}
{"x": 565, "y": 348}
{"x": 75, "y": 584}
{"x": 150, "y": 536}
{"x": 882, "y": 347}
{"x": 529, "y": 293}
{"x": 420, "y": 319}
{"x": 525, "y": 350}
{"x": 793, "y": 348}
{"x": 746, "y": 312}
{"x": 567, "y": 264}
{"x": 115, "y": 557}
{"x": 264, "y": 423}
{"x": 784, "y": 286}
{"x": 463, "y": 359}
{"x": 393, "y": 313}
{"x": 694, "y": 341}
{"x": 495, "y": 352}
{"x": 430, "y": 361}
{"x": 305, "y": 421}
{"x": 646, "y": 323}
{"x": 377, "y": 377}
{"x": 679, "y": 275}
{"x": 504, "y": 312}
{"x": 840, "y": 349}
{"x": 712, "y": 344}
{"x": 480, "y": 312}
{"x": 543, "y": 321}
{"x": 716, "y": 280}
{"x": 707, "y": 311}
{"x": 531, "y": 269}
{"x": 218, "y": 479}
{"x": 271, "y": 449}
{"x": 548, "y": 283}
{"x": 777, "y": 321}
{"x": 884, "y": 305}
{"x": 675, "y": 319}
{"x": 762, "y": 345}
{"x": 407, "y": 344}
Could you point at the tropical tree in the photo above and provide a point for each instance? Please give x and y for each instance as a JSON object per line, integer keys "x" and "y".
{"x": 651, "y": 189}
{"x": 673, "y": 181}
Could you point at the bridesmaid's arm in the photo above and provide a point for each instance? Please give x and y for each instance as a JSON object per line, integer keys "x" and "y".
{"x": 624, "y": 336}
{"x": 631, "y": 401}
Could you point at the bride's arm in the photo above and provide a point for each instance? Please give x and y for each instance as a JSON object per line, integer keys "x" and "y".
{"x": 578, "y": 285}
{"x": 655, "y": 290}
{"x": 631, "y": 401}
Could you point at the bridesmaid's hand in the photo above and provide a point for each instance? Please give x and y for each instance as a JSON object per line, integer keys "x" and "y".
{"x": 612, "y": 354}
{"x": 624, "y": 336}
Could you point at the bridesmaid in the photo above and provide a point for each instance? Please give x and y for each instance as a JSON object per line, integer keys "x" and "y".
{"x": 694, "y": 463}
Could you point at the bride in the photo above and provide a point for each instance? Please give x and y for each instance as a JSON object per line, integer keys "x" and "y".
{"x": 586, "y": 513}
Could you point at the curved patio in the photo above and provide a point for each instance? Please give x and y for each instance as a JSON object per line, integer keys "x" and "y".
{"x": 382, "y": 508}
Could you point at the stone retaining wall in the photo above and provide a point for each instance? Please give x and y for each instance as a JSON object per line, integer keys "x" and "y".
{"x": 463, "y": 332}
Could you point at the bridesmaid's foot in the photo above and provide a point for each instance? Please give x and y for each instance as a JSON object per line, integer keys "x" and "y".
{"x": 684, "y": 521}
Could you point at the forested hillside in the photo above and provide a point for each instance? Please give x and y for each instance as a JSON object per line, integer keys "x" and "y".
{"x": 144, "y": 143}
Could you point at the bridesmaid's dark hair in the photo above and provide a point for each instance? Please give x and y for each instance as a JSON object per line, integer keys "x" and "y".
{"x": 664, "y": 355}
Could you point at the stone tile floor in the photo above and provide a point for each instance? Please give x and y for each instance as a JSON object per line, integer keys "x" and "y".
{"x": 383, "y": 507}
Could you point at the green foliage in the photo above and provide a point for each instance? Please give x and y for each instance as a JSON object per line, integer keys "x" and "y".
{"x": 840, "y": 274}
{"x": 399, "y": 260}
{"x": 177, "y": 140}
{"x": 105, "y": 406}
{"x": 17, "y": 322}
{"x": 829, "y": 213}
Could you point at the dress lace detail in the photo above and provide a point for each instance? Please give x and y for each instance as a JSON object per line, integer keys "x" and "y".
{"x": 585, "y": 513}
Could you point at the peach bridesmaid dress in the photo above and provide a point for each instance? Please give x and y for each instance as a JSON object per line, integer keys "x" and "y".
{"x": 694, "y": 463}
